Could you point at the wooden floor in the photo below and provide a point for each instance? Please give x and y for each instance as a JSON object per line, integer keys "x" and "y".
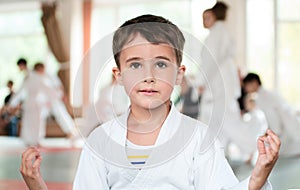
{"x": 60, "y": 163}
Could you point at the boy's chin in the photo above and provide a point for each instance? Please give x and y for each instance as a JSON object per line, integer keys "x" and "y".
{"x": 155, "y": 104}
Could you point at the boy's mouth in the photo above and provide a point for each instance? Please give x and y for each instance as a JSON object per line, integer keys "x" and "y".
{"x": 148, "y": 91}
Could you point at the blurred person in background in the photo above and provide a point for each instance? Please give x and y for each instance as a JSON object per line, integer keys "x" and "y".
{"x": 11, "y": 116}
{"x": 112, "y": 102}
{"x": 189, "y": 98}
{"x": 220, "y": 78}
{"x": 280, "y": 116}
{"x": 42, "y": 97}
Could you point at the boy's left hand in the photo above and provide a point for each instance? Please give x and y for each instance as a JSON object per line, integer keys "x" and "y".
{"x": 268, "y": 150}
{"x": 30, "y": 169}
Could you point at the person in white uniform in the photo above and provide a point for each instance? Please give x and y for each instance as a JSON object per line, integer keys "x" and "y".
{"x": 220, "y": 80}
{"x": 154, "y": 146}
{"x": 34, "y": 109}
{"x": 20, "y": 94}
{"x": 57, "y": 107}
{"x": 39, "y": 98}
{"x": 280, "y": 116}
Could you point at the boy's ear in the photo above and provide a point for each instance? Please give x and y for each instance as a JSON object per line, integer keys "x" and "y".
{"x": 117, "y": 74}
{"x": 180, "y": 74}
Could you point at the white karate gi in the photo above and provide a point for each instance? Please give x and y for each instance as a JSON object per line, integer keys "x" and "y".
{"x": 58, "y": 108}
{"x": 35, "y": 108}
{"x": 222, "y": 86}
{"x": 280, "y": 116}
{"x": 177, "y": 161}
{"x": 40, "y": 96}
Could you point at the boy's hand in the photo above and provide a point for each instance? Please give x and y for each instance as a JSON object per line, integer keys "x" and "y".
{"x": 30, "y": 169}
{"x": 268, "y": 150}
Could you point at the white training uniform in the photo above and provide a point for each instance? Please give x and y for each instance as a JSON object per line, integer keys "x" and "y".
{"x": 281, "y": 118}
{"x": 35, "y": 108}
{"x": 178, "y": 159}
{"x": 57, "y": 106}
{"x": 222, "y": 86}
{"x": 40, "y": 96}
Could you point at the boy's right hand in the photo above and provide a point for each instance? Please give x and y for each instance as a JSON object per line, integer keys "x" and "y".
{"x": 30, "y": 169}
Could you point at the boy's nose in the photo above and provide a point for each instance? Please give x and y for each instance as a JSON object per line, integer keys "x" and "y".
{"x": 149, "y": 80}
{"x": 149, "y": 74}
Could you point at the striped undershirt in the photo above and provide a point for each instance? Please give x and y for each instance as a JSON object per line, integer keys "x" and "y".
{"x": 137, "y": 154}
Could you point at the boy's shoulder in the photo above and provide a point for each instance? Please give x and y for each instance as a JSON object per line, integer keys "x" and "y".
{"x": 196, "y": 122}
{"x": 191, "y": 127}
{"x": 112, "y": 128}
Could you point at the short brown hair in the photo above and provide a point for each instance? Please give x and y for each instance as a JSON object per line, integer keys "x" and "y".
{"x": 38, "y": 66}
{"x": 219, "y": 10}
{"x": 153, "y": 28}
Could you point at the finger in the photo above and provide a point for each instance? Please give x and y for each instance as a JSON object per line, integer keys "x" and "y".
{"x": 25, "y": 154}
{"x": 273, "y": 145}
{"x": 261, "y": 145}
{"x": 274, "y": 137}
{"x": 28, "y": 159}
{"x": 31, "y": 159}
{"x": 36, "y": 166}
{"x": 270, "y": 156}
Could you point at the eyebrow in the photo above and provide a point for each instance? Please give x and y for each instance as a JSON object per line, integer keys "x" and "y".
{"x": 139, "y": 58}
{"x": 133, "y": 59}
{"x": 163, "y": 57}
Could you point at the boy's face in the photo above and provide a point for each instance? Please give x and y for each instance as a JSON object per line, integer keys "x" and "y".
{"x": 40, "y": 70}
{"x": 148, "y": 72}
{"x": 22, "y": 67}
{"x": 251, "y": 86}
{"x": 208, "y": 19}
{"x": 9, "y": 85}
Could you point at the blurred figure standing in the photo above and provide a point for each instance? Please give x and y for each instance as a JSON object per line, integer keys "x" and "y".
{"x": 221, "y": 83}
{"x": 9, "y": 85}
{"x": 41, "y": 98}
{"x": 13, "y": 115}
{"x": 34, "y": 109}
{"x": 22, "y": 64}
{"x": 218, "y": 59}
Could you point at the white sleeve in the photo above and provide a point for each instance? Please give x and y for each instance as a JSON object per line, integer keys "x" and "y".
{"x": 91, "y": 172}
{"x": 17, "y": 98}
{"x": 212, "y": 171}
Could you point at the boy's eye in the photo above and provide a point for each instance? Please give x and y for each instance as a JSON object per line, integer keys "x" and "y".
{"x": 135, "y": 65}
{"x": 161, "y": 64}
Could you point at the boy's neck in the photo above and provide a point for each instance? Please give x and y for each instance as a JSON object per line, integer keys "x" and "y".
{"x": 145, "y": 117}
{"x": 146, "y": 123}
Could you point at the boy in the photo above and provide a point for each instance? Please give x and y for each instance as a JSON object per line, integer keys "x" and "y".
{"x": 153, "y": 146}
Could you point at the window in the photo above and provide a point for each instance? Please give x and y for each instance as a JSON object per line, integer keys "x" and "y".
{"x": 288, "y": 45}
{"x": 273, "y": 43}
{"x": 22, "y": 35}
